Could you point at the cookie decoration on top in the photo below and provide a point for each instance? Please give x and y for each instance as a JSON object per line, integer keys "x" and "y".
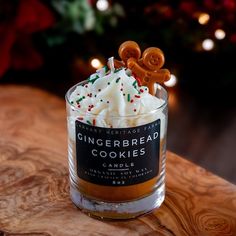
{"x": 146, "y": 69}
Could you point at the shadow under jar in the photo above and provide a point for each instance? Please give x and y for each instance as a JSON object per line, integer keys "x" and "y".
{"x": 117, "y": 164}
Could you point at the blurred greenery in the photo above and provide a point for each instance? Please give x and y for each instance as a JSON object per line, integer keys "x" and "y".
{"x": 82, "y": 31}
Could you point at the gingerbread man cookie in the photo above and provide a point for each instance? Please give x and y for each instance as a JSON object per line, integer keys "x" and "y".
{"x": 147, "y": 68}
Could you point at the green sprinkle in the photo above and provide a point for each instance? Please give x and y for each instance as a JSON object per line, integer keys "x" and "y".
{"x": 88, "y": 122}
{"x": 128, "y": 97}
{"x": 117, "y": 70}
{"x": 134, "y": 83}
{"x": 79, "y": 100}
{"x": 105, "y": 68}
{"x": 108, "y": 83}
{"x": 71, "y": 102}
{"x": 94, "y": 79}
{"x": 117, "y": 80}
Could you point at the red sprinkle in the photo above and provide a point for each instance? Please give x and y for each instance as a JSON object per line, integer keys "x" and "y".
{"x": 86, "y": 86}
{"x": 137, "y": 96}
{"x": 121, "y": 89}
{"x": 138, "y": 79}
{"x": 80, "y": 118}
{"x": 94, "y": 122}
{"x": 135, "y": 110}
{"x": 90, "y": 107}
{"x": 132, "y": 101}
{"x": 141, "y": 90}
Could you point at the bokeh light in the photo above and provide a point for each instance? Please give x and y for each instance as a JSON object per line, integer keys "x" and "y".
{"x": 208, "y": 44}
{"x": 102, "y": 5}
{"x": 203, "y": 18}
{"x": 172, "y": 81}
{"x": 96, "y": 63}
{"x": 220, "y": 34}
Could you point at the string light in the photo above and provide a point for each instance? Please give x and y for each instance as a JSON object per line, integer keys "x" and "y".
{"x": 172, "y": 100}
{"x": 203, "y": 18}
{"x": 208, "y": 44}
{"x": 172, "y": 81}
{"x": 96, "y": 63}
{"x": 102, "y": 5}
{"x": 220, "y": 34}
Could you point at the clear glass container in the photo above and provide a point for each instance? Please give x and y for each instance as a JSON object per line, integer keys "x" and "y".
{"x": 117, "y": 164}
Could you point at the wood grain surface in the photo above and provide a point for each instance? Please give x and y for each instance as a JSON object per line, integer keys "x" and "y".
{"x": 34, "y": 191}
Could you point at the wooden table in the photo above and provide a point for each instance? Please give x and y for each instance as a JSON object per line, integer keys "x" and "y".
{"x": 34, "y": 191}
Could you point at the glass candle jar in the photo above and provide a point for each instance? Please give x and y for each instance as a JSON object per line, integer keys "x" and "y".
{"x": 117, "y": 163}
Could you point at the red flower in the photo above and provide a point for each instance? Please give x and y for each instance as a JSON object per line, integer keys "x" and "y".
{"x": 16, "y": 48}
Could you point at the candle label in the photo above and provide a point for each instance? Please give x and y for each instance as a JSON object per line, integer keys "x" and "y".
{"x": 117, "y": 156}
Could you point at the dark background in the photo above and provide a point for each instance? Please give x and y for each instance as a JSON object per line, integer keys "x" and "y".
{"x": 50, "y": 44}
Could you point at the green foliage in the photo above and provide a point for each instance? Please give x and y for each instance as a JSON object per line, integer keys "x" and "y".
{"x": 80, "y": 17}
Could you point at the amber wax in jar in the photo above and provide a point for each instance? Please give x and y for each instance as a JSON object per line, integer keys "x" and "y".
{"x": 117, "y": 144}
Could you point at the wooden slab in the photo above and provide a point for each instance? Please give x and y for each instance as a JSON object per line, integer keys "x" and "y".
{"x": 34, "y": 191}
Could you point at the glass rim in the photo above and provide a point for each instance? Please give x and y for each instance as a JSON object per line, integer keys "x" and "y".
{"x": 72, "y": 106}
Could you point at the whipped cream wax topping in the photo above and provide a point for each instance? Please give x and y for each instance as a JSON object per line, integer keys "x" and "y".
{"x": 114, "y": 99}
